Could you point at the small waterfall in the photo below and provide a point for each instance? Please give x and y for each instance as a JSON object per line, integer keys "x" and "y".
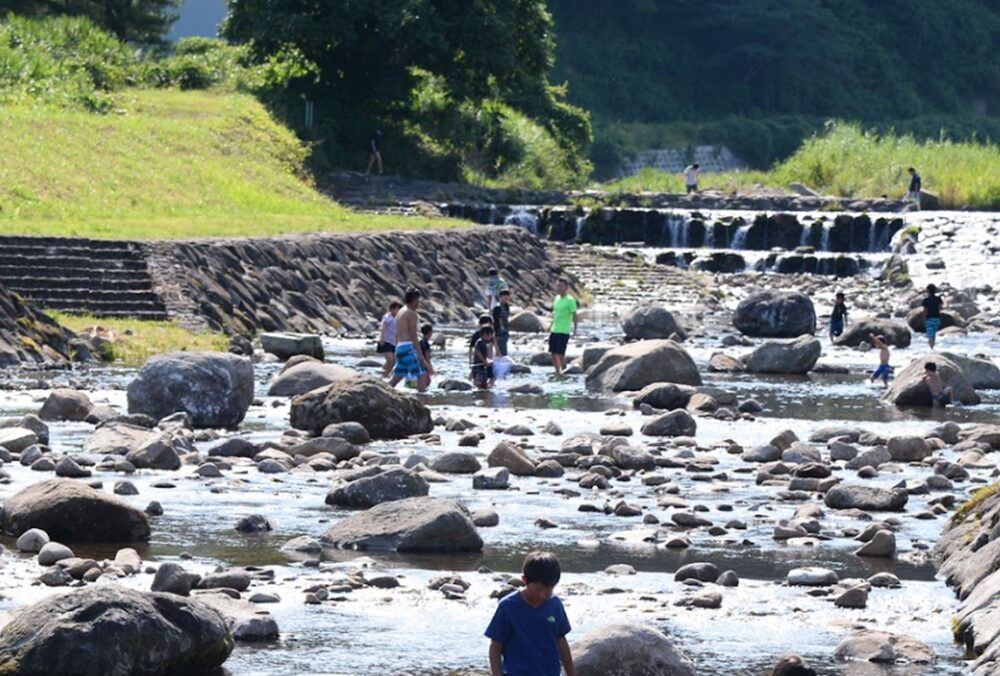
{"x": 740, "y": 238}
{"x": 526, "y": 219}
{"x": 678, "y": 231}
{"x": 824, "y": 243}
{"x": 872, "y": 237}
{"x": 493, "y": 214}
{"x": 709, "y": 236}
{"x": 805, "y": 237}
{"x": 579, "y": 226}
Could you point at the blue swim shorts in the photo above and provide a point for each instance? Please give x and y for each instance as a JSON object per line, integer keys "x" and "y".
{"x": 931, "y": 326}
{"x": 407, "y": 364}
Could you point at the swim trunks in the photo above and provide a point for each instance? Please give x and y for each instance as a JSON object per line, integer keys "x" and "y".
{"x": 407, "y": 364}
{"x": 931, "y": 326}
{"x": 836, "y": 327}
{"x": 385, "y": 347}
{"x": 558, "y": 342}
{"x": 941, "y": 399}
{"x": 883, "y": 371}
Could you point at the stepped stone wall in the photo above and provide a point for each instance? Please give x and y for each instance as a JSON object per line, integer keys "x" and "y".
{"x": 674, "y": 160}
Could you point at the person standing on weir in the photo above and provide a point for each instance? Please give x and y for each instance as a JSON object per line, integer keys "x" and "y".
{"x": 916, "y": 185}
{"x": 691, "y": 177}
{"x": 375, "y": 152}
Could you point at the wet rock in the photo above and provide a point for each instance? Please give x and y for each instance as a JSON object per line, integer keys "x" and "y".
{"x": 666, "y": 396}
{"x": 154, "y": 509}
{"x": 53, "y": 577}
{"x": 775, "y": 314}
{"x": 882, "y": 647}
{"x": 128, "y": 560}
{"x": 673, "y": 424}
{"x": 237, "y": 580}
{"x": 723, "y": 363}
{"x": 800, "y": 453}
{"x": 254, "y": 523}
{"x": 494, "y": 478}
{"x": 527, "y": 322}
{"x": 797, "y": 356}
{"x": 842, "y": 451}
{"x": 873, "y": 457}
{"x": 786, "y": 530}
{"x": 412, "y": 525}
{"x": 867, "y": 498}
{"x": 882, "y": 545}
{"x": 981, "y": 372}
{"x": 71, "y": 511}
{"x": 158, "y": 453}
{"x": 765, "y": 453}
{"x": 884, "y": 580}
{"x": 552, "y": 428}
{"x": 53, "y": 552}
{"x": 384, "y": 412}
{"x": 43, "y": 464}
{"x": 125, "y": 488}
{"x": 32, "y": 540}
{"x": 811, "y": 577}
{"x": 17, "y": 439}
{"x": 352, "y": 432}
{"x": 485, "y": 518}
{"x": 234, "y": 448}
{"x": 284, "y": 346}
{"x": 633, "y": 458}
{"x": 303, "y": 543}
{"x": 855, "y": 597}
{"x": 549, "y": 469}
{"x": 172, "y": 578}
{"x": 340, "y": 449}
{"x": 455, "y": 386}
{"x": 728, "y": 579}
{"x": 513, "y": 458}
{"x": 628, "y": 650}
{"x": 395, "y": 484}
{"x": 307, "y": 376}
{"x": 246, "y": 621}
{"x": 118, "y": 438}
{"x": 909, "y": 389}
{"x": 456, "y": 462}
{"x": 66, "y": 404}
{"x": 636, "y": 365}
{"x": 829, "y": 433}
{"x": 67, "y": 467}
{"x": 750, "y": 406}
{"x": 651, "y": 321}
{"x": 704, "y": 572}
{"x": 896, "y": 334}
{"x": 908, "y": 449}
{"x": 214, "y": 388}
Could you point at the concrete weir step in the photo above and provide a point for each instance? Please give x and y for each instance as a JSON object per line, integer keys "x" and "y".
{"x": 105, "y": 278}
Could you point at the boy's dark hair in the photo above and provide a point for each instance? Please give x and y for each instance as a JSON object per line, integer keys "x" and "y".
{"x": 696, "y": 165}
{"x": 882, "y": 338}
{"x": 564, "y": 280}
{"x": 486, "y": 330}
{"x": 792, "y": 665}
{"x": 930, "y": 366}
{"x": 411, "y": 295}
{"x": 840, "y": 295}
{"x": 485, "y": 319}
{"x": 492, "y": 272}
{"x": 426, "y": 329}
{"x": 911, "y": 169}
{"x": 541, "y": 567}
{"x": 504, "y": 292}
{"x": 931, "y": 288}
{"x": 395, "y": 305}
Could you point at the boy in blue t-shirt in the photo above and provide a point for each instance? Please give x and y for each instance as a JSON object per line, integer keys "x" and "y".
{"x": 528, "y": 631}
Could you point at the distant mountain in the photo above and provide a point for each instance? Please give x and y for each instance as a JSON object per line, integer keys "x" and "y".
{"x": 199, "y": 17}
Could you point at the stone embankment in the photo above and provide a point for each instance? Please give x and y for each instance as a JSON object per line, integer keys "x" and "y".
{"x": 28, "y": 336}
{"x": 969, "y": 557}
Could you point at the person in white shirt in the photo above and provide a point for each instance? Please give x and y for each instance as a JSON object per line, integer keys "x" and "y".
{"x": 691, "y": 177}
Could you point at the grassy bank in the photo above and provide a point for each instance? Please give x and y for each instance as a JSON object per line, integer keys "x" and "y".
{"x": 847, "y": 162}
{"x": 166, "y": 164}
{"x": 131, "y": 342}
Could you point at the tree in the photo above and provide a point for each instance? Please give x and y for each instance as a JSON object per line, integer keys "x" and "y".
{"x": 139, "y": 21}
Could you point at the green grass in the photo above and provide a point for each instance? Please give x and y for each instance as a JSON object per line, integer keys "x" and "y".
{"x": 974, "y": 502}
{"x": 165, "y": 164}
{"x": 848, "y": 162}
{"x": 133, "y": 341}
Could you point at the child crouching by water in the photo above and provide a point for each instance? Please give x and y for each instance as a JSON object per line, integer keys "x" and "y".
{"x": 884, "y": 371}
{"x": 940, "y": 395}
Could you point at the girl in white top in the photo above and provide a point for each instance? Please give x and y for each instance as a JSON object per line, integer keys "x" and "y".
{"x": 691, "y": 177}
{"x": 387, "y": 338}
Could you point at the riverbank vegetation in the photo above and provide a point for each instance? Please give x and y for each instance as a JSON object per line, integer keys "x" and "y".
{"x": 847, "y": 161}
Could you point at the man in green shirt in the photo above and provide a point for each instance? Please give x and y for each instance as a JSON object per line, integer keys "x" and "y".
{"x": 563, "y": 321}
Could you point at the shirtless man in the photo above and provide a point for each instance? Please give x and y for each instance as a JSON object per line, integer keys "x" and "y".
{"x": 410, "y": 362}
{"x": 940, "y": 395}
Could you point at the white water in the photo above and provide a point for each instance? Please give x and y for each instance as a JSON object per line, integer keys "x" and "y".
{"x": 740, "y": 238}
{"x": 824, "y": 243}
{"x": 524, "y": 219}
{"x": 579, "y": 225}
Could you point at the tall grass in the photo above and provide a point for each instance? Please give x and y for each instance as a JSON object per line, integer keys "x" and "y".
{"x": 847, "y": 161}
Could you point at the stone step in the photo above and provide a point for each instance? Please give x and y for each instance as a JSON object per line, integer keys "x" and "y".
{"x": 37, "y": 251}
{"x": 25, "y": 285}
{"x": 70, "y": 261}
{"x": 93, "y": 295}
{"x": 66, "y": 242}
{"x": 120, "y": 308}
{"x": 13, "y": 272}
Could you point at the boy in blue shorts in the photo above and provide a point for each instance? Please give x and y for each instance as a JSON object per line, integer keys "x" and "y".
{"x": 932, "y": 314}
{"x": 884, "y": 371}
{"x": 528, "y": 631}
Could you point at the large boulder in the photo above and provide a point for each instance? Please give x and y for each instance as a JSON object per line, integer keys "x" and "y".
{"x": 677, "y": 423}
{"x": 428, "y": 525}
{"x": 666, "y": 396}
{"x": 70, "y": 511}
{"x": 775, "y": 314}
{"x": 384, "y": 412}
{"x": 636, "y": 365}
{"x": 108, "y": 629}
{"x": 868, "y": 498}
{"x": 982, "y": 373}
{"x": 157, "y": 453}
{"x": 868, "y": 645}
{"x": 915, "y": 319}
{"x": 527, "y": 322}
{"x": 797, "y": 356}
{"x": 629, "y": 650}
{"x": 895, "y": 333}
{"x": 66, "y": 404}
{"x": 215, "y": 389}
{"x": 16, "y": 439}
{"x": 909, "y": 389}
{"x": 651, "y": 321}
{"x": 396, "y": 484}
{"x": 118, "y": 438}
{"x": 307, "y": 376}
{"x": 287, "y": 345}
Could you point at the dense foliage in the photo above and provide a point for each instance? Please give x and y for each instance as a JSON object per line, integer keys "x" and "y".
{"x": 141, "y": 21}
{"x": 457, "y": 87}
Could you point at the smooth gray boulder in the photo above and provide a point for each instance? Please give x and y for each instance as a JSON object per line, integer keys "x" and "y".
{"x": 908, "y": 448}
{"x": 665, "y": 396}
{"x": 383, "y": 411}
{"x": 881, "y": 647}
{"x": 674, "y": 424}
{"x": 793, "y": 357}
{"x": 66, "y": 404}
{"x": 395, "y": 484}
{"x": 214, "y": 388}
{"x": 775, "y": 314}
{"x": 651, "y": 321}
{"x": 636, "y": 365}
{"x": 16, "y": 439}
{"x": 307, "y": 376}
{"x": 108, "y": 629}
{"x": 70, "y": 511}
{"x": 247, "y": 622}
{"x": 981, "y": 372}
{"x": 118, "y": 438}
{"x": 287, "y": 345}
{"x": 527, "y": 322}
{"x": 629, "y": 650}
{"x": 157, "y": 453}
{"x": 909, "y": 389}
{"x": 896, "y": 334}
{"x": 867, "y": 498}
{"x": 419, "y": 525}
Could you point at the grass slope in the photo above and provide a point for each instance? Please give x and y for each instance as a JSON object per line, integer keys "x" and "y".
{"x": 166, "y": 164}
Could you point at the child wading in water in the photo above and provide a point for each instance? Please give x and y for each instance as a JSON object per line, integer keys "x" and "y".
{"x": 940, "y": 395}
{"x": 884, "y": 371}
{"x": 838, "y": 317}
{"x": 482, "y": 359}
{"x": 528, "y": 631}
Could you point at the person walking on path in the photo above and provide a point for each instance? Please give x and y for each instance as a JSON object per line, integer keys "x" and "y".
{"x": 838, "y": 317}
{"x": 410, "y": 361}
{"x": 564, "y": 320}
{"x": 375, "y": 152}
{"x": 916, "y": 185}
{"x": 932, "y": 314}
{"x": 387, "y": 338}
{"x": 691, "y": 173}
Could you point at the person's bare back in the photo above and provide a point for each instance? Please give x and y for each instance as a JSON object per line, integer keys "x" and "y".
{"x": 406, "y": 326}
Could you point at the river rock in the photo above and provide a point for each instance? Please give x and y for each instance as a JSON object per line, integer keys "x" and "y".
{"x": 108, "y": 629}
{"x": 456, "y": 462}
{"x": 636, "y": 365}
{"x": 32, "y": 540}
{"x": 66, "y": 404}
{"x": 674, "y": 424}
{"x": 981, "y": 372}
{"x": 633, "y": 458}
{"x": 384, "y": 412}
{"x": 117, "y": 438}
{"x": 287, "y": 345}
{"x": 666, "y": 396}
{"x": 254, "y": 523}
{"x": 882, "y": 546}
{"x": 53, "y": 552}
{"x": 868, "y": 645}
{"x": 775, "y": 314}
{"x": 158, "y": 453}
{"x": 720, "y": 362}
{"x": 703, "y": 571}
{"x": 949, "y": 318}
{"x": 29, "y": 422}
{"x": 629, "y": 650}
{"x": 908, "y": 449}
{"x": 812, "y": 576}
{"x": 246, "y": 621}
{"x": 506, "y": 454}
{"x": 234, "y": 447}
{"x": 17, "y": 439}
{"x": 69, "y": 468}
{"x": 307, "y": 376}
{"x": 909, "y": 389}
{"x": 492, "y": 479}
{"x": 394, "y": 484}
{"x": 73, "y": 512}
{"x": 425, "y": 524}
{"x": 797, "y": 356}
{"x": 527, "y": 322}
{"x": 867, "y": 498}
{"x": 855, "y": 597}
{"x": 651, "y": 321}
{"x": 352, "y": 432}
{"x": 215, "y": 389}
{"x": 896, "y": 334}
{"x": 339, "y": 448}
